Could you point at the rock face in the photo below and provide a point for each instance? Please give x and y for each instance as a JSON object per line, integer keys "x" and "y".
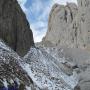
{"x": 14, "y": 27}
{"x": 80, "y": 28}
{"x": 60, "y": 18}
{"x": 70, "y": 25}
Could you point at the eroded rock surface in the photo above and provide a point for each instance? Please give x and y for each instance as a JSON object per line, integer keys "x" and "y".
{"x": 69, "y": 25}
{"x": 60, "y": 19}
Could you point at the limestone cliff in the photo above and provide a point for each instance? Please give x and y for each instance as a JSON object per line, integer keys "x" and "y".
{"x": 60, "y": 19}
{"x": 70, "y": 25}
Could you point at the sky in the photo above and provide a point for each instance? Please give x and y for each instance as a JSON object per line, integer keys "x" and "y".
{"x": 37, "y": 13}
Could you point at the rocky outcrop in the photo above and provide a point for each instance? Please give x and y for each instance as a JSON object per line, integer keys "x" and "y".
{"x": 80, "y": 27}
{"x": 60, "y": 19}
{"x": 14, "y": 27}
{"x": 70, "y": 25}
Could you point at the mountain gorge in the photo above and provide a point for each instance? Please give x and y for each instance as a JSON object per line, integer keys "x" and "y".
{"x": 60, "y": 62}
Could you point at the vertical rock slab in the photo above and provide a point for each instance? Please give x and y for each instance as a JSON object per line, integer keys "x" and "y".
{"x": 60, "y": 19}
{"x": 14, "y": 27}
{"x": 70, "y": 25}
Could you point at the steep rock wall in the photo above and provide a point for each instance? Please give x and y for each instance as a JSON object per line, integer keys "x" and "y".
{"x": 69, "y": 25}
{"x": 14, "y": 27}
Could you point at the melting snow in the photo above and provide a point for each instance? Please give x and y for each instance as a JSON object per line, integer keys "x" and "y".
{"x": 3, "y": 46}
{"x": 5, "y": 83}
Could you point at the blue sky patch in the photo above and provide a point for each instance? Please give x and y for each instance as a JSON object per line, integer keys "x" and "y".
{"x": 37, "y": 12}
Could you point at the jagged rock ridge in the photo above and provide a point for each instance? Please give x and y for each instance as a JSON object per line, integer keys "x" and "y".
{"x": 14, "y": 27}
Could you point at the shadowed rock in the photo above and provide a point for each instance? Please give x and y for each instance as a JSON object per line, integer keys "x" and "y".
{"x": 14, "y": 27}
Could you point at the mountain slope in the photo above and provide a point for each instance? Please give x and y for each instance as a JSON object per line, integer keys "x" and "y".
{"x": 47, "y": 72}
{"x": 37, "y": 70}
{"x": 11, "y": 70}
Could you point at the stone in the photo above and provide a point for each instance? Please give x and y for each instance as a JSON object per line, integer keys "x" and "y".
{"x": 14, "y": 27}
{"x": 69, "y": 25}
{"x": 59, "y": 19}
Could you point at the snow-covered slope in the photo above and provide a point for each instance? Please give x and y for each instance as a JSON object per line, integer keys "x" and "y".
{"x": 12, "y": 75}
{"x": 45, "y": 71}
{"x": 38, "y": 70}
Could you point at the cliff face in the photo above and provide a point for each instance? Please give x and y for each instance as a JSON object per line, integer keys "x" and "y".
{"x": 83, "y": 39}
{"x": 14, "y": 27}
{"x": 83, "y": 24}
{"x": 70, "y": 25}
{"x": 72, "y": 30}
{"x": 60, "y": 19}
{"x": 79, "y": 31}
